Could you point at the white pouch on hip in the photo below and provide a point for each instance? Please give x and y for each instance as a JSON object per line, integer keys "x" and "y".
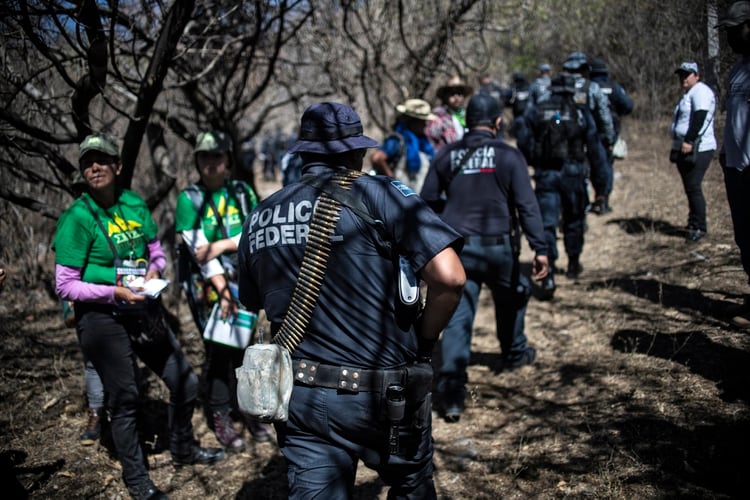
{"x": 264, "y": 383}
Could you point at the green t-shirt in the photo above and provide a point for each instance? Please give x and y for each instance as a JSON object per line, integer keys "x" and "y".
{"x": 80, "y": 242}
{"x": 230, "y": 212}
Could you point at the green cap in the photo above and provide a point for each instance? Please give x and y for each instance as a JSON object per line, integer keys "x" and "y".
{"x": 212, "y": 141}
{"x": 99, "y": 142}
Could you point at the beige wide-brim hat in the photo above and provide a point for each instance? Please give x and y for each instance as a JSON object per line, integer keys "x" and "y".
{"x": 416, "y": 108}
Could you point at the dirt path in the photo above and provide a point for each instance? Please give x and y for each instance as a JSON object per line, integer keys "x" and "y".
{"x": 641, "y": 389}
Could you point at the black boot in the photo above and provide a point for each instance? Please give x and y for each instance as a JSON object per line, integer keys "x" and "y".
{"x": 198, "y": 455}
{"x": 146, "y": 491}
{"x": 548, "y": 287}
{"x": 601, "y": 206}
{"x": 574, "y": 267}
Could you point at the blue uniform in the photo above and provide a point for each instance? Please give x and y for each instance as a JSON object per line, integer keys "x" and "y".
{"x": 354, "y": 324}
{"x": 561, "y": 178}
{"x": 620, "y": 104}
{"x": 484, "y": 200}
{"x": 538, "y": 88}
{"x": 589, "y": 94}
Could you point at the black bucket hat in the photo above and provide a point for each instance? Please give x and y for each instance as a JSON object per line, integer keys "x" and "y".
{"x": 330, "y": 128}
{"x": 482, "y": 109}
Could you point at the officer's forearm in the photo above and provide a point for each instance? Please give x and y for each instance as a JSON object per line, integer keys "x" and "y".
{"x": 440, "y": 305}
{"x": 445, "y": 278}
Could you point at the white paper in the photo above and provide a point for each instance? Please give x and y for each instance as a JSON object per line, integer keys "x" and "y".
{"x": 235, "y": 331}
{"x": 151, "y": 288}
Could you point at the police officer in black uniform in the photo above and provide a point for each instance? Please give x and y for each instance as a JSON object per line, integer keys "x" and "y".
{"x": 559, "y": 130}
{"x": 602, "y": 137}
{"x": 480, "y": 186}
{"x": 620, "y": 104}
{"x": 355, "y": 333}
{"x": 517, "y": 96}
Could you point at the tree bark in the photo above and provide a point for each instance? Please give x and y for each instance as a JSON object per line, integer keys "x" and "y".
{"x": 712, "y": 70}
{"x": 177, "y": 18}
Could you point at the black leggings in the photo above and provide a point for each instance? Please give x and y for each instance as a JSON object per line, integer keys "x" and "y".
{"x": 692, "y": 177}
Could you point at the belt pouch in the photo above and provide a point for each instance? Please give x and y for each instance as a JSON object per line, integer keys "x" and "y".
{"x": 264, "y": 383}
{"x": 419, "y": 393}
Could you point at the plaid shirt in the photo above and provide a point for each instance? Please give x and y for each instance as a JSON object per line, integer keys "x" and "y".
{"x": 444, "y": 129}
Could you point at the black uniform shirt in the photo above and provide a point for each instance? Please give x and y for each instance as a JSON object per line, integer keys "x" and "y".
{"x": 354, "y": 322}
{"x": 481, "y": 197}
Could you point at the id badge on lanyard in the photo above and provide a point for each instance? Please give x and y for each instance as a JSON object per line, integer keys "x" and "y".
{"x": 127, "y": 270}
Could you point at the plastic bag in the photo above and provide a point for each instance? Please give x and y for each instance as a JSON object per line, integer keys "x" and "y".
{"x": 620, "y": 149}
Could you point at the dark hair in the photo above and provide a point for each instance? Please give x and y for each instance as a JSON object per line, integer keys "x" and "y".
{"x": 344, "y": 159}
{"x": 229, "y": 154}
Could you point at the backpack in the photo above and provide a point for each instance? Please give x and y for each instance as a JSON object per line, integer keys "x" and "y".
{"x": 199, "y": 292}
{"x": 557, "y": 124}
{"x": 395, "y": 160}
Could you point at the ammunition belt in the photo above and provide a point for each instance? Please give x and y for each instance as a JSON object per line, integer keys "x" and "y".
{"x": 314, "y": 263}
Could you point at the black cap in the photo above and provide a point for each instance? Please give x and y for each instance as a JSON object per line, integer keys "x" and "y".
{"x": 482, "y": 110}
{"x": 598, "y": 67}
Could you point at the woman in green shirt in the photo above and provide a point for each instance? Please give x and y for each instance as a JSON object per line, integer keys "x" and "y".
{"x": 105, "y": 241}
{"x": 209, "y": 218}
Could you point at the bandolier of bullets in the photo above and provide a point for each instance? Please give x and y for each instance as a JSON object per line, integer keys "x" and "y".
{"x": 313, "y": 267}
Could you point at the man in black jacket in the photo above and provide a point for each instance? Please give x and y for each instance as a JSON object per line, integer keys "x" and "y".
{"x": 480, "y": 185}
{"x": 559, "y": 130}
{"x": 358, "y": 354}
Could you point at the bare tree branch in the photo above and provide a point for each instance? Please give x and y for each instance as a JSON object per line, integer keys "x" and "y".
{"x": 166, "y": 45}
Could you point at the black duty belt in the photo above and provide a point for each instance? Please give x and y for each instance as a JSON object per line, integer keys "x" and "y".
{"x": 344, "y": 378}
{"x": 488, "y": 240}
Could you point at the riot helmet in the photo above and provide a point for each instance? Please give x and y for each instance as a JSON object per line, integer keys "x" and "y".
{"x": 576, "y": 61}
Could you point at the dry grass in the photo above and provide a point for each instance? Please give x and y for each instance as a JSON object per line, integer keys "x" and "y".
{"x": 640, "y": 389}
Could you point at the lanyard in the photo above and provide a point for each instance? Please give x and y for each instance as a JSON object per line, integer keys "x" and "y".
{"x": 217, "y": 215}
{"x": 111, "y": 244}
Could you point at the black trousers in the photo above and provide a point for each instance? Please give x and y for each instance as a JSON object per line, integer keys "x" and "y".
{"x": 221, "y": 381}
{"x": 563, "y": 192}
{"x": 105, "y": 342}
{"x": 738, "y": 196}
